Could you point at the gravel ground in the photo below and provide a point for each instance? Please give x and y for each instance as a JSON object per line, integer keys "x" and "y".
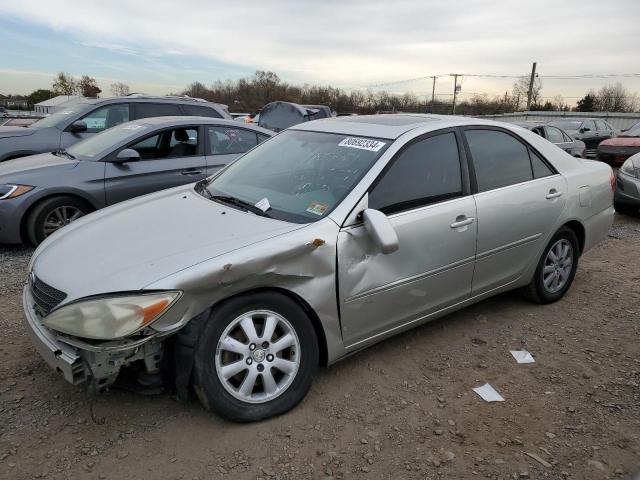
{"x": 403, "y": 409}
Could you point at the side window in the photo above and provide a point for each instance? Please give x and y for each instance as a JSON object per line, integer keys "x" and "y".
{"x": 145, "y": 110}
{"x": 175, "y": 143}
{"x": 106, "y": 117}
{"x": 540, "y": 168}
{"x": 499, "y": 159}
{"x": 425, "y": 172}
{"x": 554, "y": 135}
{"x": 200, "y": 111}
{"x": 567, "y": 138}
{"x": 262, "y": 138}
{"x": 589, "y": 124}
{"x": 602, "y": 125}
{"x": 229, "y": 140}
{"x": 539, "y": 131}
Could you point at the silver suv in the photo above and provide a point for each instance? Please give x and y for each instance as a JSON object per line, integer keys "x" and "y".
{"x": 82, "y": 119}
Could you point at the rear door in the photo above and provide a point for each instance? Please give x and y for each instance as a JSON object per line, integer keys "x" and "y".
{"x": 555, "y": 135}
{"x": 590, "y": 136}
{"x": 169, "y": 158}
{"x": 226, "y": 143}
{"x": 519, "y": 197}
{"x": 424, "y": 193}
{"x": 604, "y": 130}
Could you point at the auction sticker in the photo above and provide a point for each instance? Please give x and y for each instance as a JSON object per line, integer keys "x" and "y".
{"x": 362, "y": 143}
{"x": 317, "y": 208}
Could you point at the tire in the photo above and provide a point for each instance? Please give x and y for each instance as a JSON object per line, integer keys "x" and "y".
{"x": 537, "y": 291}
{"x": 626, "y": 209}
{"x": 36, "y": 222}
{"x": 225, "y": 396}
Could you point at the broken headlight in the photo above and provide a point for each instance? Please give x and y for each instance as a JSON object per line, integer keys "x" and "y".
{"x": 109, "y": 318}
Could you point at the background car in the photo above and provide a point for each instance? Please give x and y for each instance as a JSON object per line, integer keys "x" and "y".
{"x": 590, "y": 130}
{"x": 616, "y": 150}
{"x": 328, "y": 238}
{"x": 86, "y": 117}
{"x": 627, "y": 194}
{"x": 18, "y": 122}
{"x": 42, "y": 193}
{"x": 575, "y": 148}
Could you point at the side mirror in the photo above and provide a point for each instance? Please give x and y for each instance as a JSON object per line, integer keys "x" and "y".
{"x": 585, "y": 129}
{"x": 127, "y": 155}
{"x": 77, "y": 127}
{"x": 379, "y": 227}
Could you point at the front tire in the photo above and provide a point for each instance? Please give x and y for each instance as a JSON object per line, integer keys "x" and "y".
{"x": 53, "y": 213}
{"x": 556, "y": 268}
{"x": 255, "y": 358}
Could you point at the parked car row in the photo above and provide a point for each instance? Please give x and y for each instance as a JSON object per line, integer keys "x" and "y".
{"x": 574, "y": 147}
{"x": 323, "y": 240}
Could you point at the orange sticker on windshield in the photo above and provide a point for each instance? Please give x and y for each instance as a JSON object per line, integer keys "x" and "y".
{"x": 317, "y": 208}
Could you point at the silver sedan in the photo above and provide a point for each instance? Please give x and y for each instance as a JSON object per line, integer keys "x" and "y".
{"x": 324, "y": 240}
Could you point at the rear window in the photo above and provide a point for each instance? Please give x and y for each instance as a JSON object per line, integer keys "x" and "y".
{"x": 144, "y": 110}
{"x": 200, "y": 111}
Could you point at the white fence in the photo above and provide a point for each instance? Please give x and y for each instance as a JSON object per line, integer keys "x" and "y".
{"x": 617, "y": 120}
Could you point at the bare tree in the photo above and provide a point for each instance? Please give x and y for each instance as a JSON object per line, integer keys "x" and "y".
{"x": 64, "y": 84}
{"x": 119, "y": 89}
{"x": 521, "y": 91}
{"x": 88, "y": 87}
{"x": 615, "y": 98}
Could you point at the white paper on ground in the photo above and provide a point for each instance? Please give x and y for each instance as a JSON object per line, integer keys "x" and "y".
{"x": 488, "y": 393}
{"x": 522, "y": 356}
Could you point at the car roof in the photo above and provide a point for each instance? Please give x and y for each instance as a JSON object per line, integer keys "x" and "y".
{"x": 148, "y": 99}
{"x": 389, "y": 126}
{"x": 189, "y": 120}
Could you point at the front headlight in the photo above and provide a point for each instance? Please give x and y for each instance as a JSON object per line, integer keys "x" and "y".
{"x": 109, "y": 318}
{"x": 629, "y": 168}
{"x": 12, "y": 191}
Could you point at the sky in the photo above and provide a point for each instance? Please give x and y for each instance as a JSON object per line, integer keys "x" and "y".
{"x": 160, "y": 46}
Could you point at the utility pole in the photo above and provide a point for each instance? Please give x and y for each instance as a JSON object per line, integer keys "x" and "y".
{"x": 533, "y": 77}
{"x": 455, "y": 90}
{"x": 433, "y": 94}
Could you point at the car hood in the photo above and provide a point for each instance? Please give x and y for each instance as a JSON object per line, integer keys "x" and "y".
{"x": 621, "y": 142}
{"x": 33, "y": 164}
{"x": 135, "y": 243}
{"x": 6, "y": 132}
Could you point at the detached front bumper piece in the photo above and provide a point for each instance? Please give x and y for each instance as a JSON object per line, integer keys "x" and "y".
{"x": 62, "y": 358}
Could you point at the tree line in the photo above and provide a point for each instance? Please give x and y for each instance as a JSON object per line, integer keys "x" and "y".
{"x": 250, "y": 94}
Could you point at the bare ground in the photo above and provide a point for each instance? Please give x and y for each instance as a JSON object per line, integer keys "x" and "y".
{"x": 402, "y": 409}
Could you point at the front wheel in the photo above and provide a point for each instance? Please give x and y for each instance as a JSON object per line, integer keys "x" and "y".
{"x": 255, "y": 358}
{"x": 52, "y": 214}
{"x": 556, "y": 268}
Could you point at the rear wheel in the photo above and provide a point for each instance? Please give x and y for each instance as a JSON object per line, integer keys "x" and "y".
{"x": 255, "y": 358}
{"x": 52, "y": 214}
{"x": 625, "y": 208}
{"x": 556, "y": 268}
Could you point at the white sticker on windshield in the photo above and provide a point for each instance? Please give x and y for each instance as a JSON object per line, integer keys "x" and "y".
{"x": 362, "y": 143}
{"x": 263, "y": 204}
{"x": 132, "y": 127}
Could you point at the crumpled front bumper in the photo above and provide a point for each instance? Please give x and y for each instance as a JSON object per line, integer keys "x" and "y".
{"x": 61, "y": 357}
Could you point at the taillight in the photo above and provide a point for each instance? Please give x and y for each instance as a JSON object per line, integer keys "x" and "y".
{"x": 612, "y": 181}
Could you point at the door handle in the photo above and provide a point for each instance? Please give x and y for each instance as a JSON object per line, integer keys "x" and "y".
{"x": 191, "y": 171}
{"x": 462, "y": 221}
{"x": 553, "y": 193}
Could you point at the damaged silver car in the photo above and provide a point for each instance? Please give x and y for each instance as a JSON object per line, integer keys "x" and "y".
{"x": 328, "y": 238}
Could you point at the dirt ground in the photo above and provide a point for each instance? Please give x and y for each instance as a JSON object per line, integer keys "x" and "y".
{"x": 403, "y": 409}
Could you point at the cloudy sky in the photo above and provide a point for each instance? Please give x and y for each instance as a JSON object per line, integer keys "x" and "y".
{"x": 158, "y": 46}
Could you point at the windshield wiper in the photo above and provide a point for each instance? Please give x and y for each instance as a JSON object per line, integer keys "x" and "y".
{"x": 62, "y": 151}
{"x": 250, "y": 207}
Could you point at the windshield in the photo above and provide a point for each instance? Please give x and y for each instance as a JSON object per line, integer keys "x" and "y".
{"x": 632, "y": 132}
{"x": 302, "y": 175}
{"x": 567, "y": 124}
{"x": 94, "y": 146}
{"x": 61, "y": 116}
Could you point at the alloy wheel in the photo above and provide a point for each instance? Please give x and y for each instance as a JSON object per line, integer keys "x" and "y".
{"x": 257, "y": 356}
{"x": 557, "y": 266}
{"x": 59, "y": 217}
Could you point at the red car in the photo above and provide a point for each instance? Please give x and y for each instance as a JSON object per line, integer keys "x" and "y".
{"x": 616, "y": 150}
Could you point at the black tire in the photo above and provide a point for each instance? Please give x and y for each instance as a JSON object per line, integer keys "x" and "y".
{"x": 536, "y": 290}
{"x": 209, "y": 388}
{"x": 626, "y": 209}
{"x": 36, "y": 221}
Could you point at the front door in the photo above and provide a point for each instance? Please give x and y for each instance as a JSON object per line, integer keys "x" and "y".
{"x": 519, "y": 198}
{"x": 168, "y": 158}
{"x": 425, "y": 195}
